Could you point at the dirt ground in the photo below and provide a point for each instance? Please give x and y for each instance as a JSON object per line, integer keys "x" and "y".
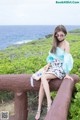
{"x": 9, "y": 106}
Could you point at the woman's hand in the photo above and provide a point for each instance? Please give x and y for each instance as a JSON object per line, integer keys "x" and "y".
{"x": 46, "y": 67}
{"x": 68, "y": 77}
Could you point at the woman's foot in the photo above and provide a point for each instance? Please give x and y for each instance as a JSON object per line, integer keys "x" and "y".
{"x": 37, "y": 117}
{"x": 49, "y": 106}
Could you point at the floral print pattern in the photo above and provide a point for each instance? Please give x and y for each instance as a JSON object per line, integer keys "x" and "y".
{"x": 56, "y": 69}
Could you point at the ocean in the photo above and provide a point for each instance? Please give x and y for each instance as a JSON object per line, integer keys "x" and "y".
{"x": 19, "y": 34}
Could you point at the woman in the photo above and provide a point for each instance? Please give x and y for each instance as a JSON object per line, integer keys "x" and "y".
{"x": 60, "y": 63}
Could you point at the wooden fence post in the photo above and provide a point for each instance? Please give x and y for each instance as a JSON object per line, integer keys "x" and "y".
{"x": 20, "y": 106}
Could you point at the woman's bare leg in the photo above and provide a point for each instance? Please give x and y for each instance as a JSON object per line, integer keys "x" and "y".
{"x": 44, "y": 79}
{"x": 41, "y": 96}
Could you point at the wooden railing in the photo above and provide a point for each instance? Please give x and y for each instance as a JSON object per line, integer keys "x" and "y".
{"x": 20, "y": 84}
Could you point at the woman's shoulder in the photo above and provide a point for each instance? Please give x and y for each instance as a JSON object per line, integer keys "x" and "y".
{"x": 66, "y": 43}
{"x": 67, "y": 46}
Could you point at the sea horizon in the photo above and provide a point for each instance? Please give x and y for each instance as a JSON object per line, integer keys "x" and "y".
{"x": 19, "y": 34}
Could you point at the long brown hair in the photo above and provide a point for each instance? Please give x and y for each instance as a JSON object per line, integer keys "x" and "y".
{"x": 55, "y": 40}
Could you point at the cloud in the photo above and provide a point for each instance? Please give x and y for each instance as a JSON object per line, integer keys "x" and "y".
{"x": 38, "y": 12}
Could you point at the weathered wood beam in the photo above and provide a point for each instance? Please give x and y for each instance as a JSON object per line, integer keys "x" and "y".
{"x": 61, "y": 103}
{"x": 21, "y": 82}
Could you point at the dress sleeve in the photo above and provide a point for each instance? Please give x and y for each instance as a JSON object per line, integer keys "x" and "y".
{"x": 50, "y": 57}
{"x": 68, "y": 62}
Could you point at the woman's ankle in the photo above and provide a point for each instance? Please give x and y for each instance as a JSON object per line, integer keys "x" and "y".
{"x": 49, "y": 103}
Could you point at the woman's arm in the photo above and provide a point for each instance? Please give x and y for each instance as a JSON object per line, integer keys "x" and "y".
{"x": 67, "y": 49}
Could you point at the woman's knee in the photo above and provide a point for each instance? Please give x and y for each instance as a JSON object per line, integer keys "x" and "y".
{"x": 43, "y": 76}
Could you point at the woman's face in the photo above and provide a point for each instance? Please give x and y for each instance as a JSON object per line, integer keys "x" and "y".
{"x": 60, "y": 35}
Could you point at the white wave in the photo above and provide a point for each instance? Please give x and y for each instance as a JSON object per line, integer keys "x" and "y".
{"x": 24, "y": 41}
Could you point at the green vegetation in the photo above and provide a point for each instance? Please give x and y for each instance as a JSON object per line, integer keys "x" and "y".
{"x": 75, "y": 31}
{"x": 30, "y": 57}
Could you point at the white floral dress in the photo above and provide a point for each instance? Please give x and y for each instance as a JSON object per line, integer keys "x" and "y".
{"x": 61, "y": 63}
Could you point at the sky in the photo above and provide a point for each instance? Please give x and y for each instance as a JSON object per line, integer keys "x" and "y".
{"x": 38, "y": 12}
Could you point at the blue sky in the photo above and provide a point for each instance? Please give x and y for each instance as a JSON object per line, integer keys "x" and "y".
{"x": 38, "y": 12}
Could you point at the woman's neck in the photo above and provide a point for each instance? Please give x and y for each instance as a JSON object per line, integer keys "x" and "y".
{"x": 61, "y": 44}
